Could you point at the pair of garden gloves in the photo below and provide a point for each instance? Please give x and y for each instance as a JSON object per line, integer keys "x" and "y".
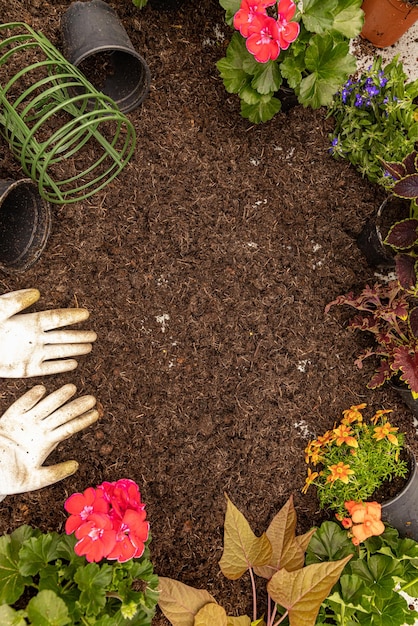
{"x": 34, "y": 344}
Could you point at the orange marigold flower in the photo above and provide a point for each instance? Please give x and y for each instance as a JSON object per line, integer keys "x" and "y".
{"x": 376, "y": 417}
{"x": 353, "y": 414}
{"x": 309, "y": 480}
{"x": 326, "y": 438}
{"x": 344, "y": 434}
{"x": 385, "y": 431}
{"x": 340, "y": 471}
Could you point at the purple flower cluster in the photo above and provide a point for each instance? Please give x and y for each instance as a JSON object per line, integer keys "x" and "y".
{"x": 365, "y": 90}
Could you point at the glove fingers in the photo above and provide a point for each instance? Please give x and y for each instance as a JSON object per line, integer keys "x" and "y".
{"x": 63, "y": 351}
{"x": 55, "y": 367}
{"x": 49, "y": 475}
{"x": 52, "y": 402}
{"x": 70, "y": 337}
{"x": 15, "y": 301}
{"x": 24, "y": 404}
{"x": 79, "y": 423}
{"x": 58, "y": 318}
{"x": 69, "y": 412}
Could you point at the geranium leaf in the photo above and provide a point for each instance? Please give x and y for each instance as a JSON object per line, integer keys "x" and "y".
{"x": 37, "y": 552}
{"x": 93, "y": 580}
{"x": 347, "y": 19}
{"x": 267, "y": 79}
{"x": 47, "y": 609}
{"x": 179, "y": 602}
{"x": 317, "y": 15}
{"x": 403, "y": 234}
{"x": 211, "y": 614}
{"x": 329, "y": 543}
{"x": 263, "y": 111}
{"x": 231, "y": 7}
{"x": 242, "y": 549}
{"x": 329, "y": 64}
{"x": 303, "y": 591}
{"x": 405, "y": 270}
{"x": 406, "y": 363}
{"x": 12, "y": 583}
{"x": 10, "y": 617}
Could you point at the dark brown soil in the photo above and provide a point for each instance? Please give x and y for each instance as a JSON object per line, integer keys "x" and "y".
{"x": 206, "y": 267}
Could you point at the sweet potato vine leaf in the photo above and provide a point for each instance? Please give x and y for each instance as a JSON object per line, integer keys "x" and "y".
{"x": 242, "y": 549}
{"x": 181, "y": 603}
{"x": 211, "y": 614}
{"x": 288, "y": 551}
{"x": 302, "y": 592}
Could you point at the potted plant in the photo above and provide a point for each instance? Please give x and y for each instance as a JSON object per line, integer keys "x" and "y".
{"x": 385, "y": 21}
{"x": 304, "y": 47}
{"x": 390, "y": 314}
{"x": 403, "y": 235}
{"x": 375, "y": 119}
{"x": 100, "y": 574}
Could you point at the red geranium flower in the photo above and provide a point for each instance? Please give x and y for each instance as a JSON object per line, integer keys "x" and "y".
{"x": 288, "y": 31}
{"x": 131, "y": 534}
{"x": 122, "y": 495}
{"x": 81, "y": 506}
{"x": 96, "y": 536}
{"x": 245, "y": 15}
{"x": 263, "y": 39}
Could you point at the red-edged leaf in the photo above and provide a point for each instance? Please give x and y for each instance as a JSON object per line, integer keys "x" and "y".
{"x": 413, "y": 322}
{"x": 405, "y": 271}
{"x": 410, "y": 162}
{"x": 382, "y": 374}
{"x": 407, "y": 187}
{"x": 406, "y": 361}
{"x": 397, "y": 170}
{"x": 403, "y": 234}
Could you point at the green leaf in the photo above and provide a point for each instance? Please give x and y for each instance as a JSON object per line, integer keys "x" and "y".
{"x": 93, "y": 582}
{"x": 329, "y": 543}
{"x": 10, "y": 617}
{"x": 242, "y": 549}
{"x": 231, "y": 7}
{"x": 12, "y": 583}
{"x": 180, "y": 603}
{"x": 231, "y": 67}
{"x": 378, "y": 571}
{"x": 317, "y": 15}
{"x": 267, "y": 78}
{"x": 348, "y": 18}
{"x": 301, "y": 592}
{"x": 47, "y": 609}
{"x": 263, "y": 111}
{"x": 329, "y": 64}
{"x": 37, "y": 552}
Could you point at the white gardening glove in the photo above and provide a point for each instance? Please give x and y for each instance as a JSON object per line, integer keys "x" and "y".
{"x": 30, "y": 430}
{"x": 30, "y": 345}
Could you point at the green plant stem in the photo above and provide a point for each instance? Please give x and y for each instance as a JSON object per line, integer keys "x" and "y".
{"x": 411, "y": 582}
{"x": 254, "y": 594}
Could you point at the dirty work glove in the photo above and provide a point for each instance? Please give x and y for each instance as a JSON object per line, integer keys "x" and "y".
{"x": 30, "y": 430}
{"x": 30, "y": 345}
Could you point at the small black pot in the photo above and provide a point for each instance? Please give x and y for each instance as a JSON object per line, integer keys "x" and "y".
{"x": 95, "y": 39}
{"x": 25, "y": 225}
{"x": 406, "y": 394}
{"x": 402, "y": 510}
{"x": 370, "y": 239}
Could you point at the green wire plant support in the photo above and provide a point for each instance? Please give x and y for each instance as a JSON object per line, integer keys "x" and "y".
{"x": 53, "y": 119}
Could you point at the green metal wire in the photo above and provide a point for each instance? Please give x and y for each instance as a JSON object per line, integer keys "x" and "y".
{"x": 53, "y": 119}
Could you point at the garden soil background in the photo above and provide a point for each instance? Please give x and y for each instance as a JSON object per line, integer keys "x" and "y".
{"x": 206, "y": 266}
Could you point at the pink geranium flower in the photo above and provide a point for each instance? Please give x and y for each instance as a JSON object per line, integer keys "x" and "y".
{"x": 131, "y": 534}
{"x": 263, "y": 39}
{"x": 96, "y": 536}
{"x": 248, "y": 9}
{"x": 122, "y": 495}
{"x": 288, "y": 31}
{"x": 81, "y": 506}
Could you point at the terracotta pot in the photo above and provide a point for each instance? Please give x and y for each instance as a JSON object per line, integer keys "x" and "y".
{"x": 402, "y": 510}
{"x": 385, "y": 21}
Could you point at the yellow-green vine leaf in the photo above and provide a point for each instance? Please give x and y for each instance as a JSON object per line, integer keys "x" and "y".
{"x": 293, "y": 557}
{"x": 242, "y": 549}
{"x": 211, "y": 614}
{"x": 259, "y": 622}
{"x": 181, "y": 603}
{"x": 302, "y": 592}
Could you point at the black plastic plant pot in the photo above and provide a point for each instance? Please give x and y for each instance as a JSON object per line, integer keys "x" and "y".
{"x": 25, "y": 225}
{"x": 95, "y": 41}
{"x": 401, "y": 511}
{"x": 407, "y": 398}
